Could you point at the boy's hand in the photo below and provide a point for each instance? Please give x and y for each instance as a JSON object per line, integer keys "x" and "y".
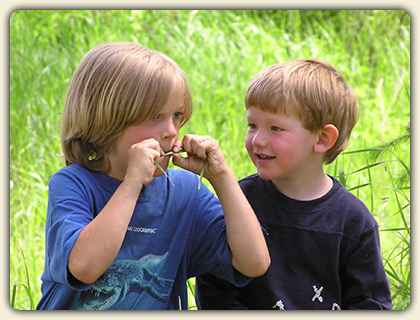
{"x": 248, "y": 248}
{"x": 200, "y": 148}
{"x": 140, "y": 164}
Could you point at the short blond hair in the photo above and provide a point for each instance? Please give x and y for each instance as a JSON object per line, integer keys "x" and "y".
{"x": 313, "y": 91}
{"x": 115, "y": 86}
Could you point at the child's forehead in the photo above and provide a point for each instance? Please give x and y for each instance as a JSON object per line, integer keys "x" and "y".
{"x": 173, "y": 108}
{"x": 175, "y": 99}
{"x": 266, "y": 114}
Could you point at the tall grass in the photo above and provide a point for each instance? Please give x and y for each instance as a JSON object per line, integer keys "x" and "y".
{"x": 384, "y": 184}
{"x": 220, "y": 51}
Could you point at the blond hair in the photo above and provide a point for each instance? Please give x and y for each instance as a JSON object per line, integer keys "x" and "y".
{"x": 115, "y": 86}
{"x": 313, "y": 91}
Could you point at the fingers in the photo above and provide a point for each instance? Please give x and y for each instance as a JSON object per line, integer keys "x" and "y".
{"x": 200, "y": 146}
{"x": 201, "y": 149}
{"x": 196, "y": 148}
{"x": 154, "y": 145}
{"x": 184, "y": 163}
{"x": 146, "y": 149}
{"x": 177, "y": 146}
{"x": 141, "y": 160}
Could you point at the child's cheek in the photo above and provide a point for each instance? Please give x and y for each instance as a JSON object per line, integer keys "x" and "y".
{"x": 248, "y": 144}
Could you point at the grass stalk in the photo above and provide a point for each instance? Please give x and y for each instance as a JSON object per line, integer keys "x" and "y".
{"x": 161, "y": 169}
{"x": 171, "y": 153}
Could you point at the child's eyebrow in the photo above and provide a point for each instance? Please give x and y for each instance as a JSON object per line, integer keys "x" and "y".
{"x": 173, "y": 109}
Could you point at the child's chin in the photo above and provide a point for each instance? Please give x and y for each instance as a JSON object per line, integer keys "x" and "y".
{"x": 263, "y": 175}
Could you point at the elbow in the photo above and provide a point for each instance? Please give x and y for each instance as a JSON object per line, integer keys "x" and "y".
{"x": 85, "y": 278}
{"x": 265, "y": 266}
{"x": 255, "y": 269}
{"x": 261, "y": 267}
{"x": 82, "y": 272}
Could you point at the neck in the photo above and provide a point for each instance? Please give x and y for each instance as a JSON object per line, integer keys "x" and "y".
{"x": 304, "y": 188}
{"x": 117, "y": 172}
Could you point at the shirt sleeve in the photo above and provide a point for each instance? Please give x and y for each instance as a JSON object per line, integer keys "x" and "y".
{"x": 366, "y": 285}
{"x": 209, "y": 247}
{"x": 69, "y": 211}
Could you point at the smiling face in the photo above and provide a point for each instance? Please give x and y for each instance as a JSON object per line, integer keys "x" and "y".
{"x": 278, "y": 145}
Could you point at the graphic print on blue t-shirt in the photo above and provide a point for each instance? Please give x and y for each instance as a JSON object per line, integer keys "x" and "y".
{"x": 124, "y": 277}
{"x": 166, "y": 242}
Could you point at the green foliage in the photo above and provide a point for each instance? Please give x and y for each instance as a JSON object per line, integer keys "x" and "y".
{"x": 220, "y": 51}
{"x": 384, "y": 184}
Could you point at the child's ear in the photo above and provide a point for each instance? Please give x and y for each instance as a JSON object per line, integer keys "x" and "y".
{"x": 327, "y": 137}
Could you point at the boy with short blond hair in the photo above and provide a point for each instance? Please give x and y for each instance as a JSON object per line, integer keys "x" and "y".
{"x": 323, "y": 241}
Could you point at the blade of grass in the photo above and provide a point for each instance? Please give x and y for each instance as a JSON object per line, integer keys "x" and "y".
{"x": 401, "y": 211}
{"x": 161, "y": 169}
{"x": 201, "y": 174}
{"x": 14, "y": 294}
{"x": 13, "y": 297}
{"x": 171, "y": 153}
{"x": 27, "y": 286}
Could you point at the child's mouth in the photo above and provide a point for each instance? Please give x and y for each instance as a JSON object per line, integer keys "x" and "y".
{"x": 171, "y": 153}
{"x": 264, "y": 157}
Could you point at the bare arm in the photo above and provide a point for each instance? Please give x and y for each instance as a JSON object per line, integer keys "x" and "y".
{"x": 248, "y": 248}
{"x": 246, "y": 241}
{"x": 100, "y": 241}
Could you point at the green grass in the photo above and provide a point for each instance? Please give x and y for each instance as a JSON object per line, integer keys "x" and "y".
{"x": 220, "y": 51}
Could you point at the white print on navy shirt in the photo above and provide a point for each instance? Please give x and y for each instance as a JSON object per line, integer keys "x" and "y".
{"x": 141, "y": 229}
{"x": 336, "y": 306}
{"x": 279, "y": 304}
{"x": 317, "y": 294}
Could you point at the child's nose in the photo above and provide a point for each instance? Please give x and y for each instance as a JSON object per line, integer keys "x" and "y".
{"x": 259, "y": 140}
{"x": 170, "y": 130}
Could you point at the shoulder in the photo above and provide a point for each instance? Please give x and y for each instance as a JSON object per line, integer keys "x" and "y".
{"x": 259, "y": 191}
{"x": 352, "y": 209}
{"x": 73, "y": 179}
{"x": 249, "y": 179}
{"x": 252, "y": 182}
{"x": 72, "y": 174}
{"x": 347, "y": 199}
{"x": 72, "y": 171}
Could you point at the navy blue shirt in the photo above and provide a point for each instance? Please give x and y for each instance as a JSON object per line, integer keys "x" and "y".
{"x": 176, "y": 232}
{"x": 325, "y": 254}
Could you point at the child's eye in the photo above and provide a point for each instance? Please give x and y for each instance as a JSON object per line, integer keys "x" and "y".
{"x": 177, "y": 115}
{"x": 251, "y": 126}
{"x": 277, "y": 129}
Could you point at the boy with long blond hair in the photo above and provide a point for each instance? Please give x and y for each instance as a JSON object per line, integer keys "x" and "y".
{"x": 119, "y": 234}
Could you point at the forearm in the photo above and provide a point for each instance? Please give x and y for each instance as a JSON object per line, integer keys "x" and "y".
{"x": 100, "y": 241}
{"x": 249, "y": 251}
{"x": 247, "y": 244}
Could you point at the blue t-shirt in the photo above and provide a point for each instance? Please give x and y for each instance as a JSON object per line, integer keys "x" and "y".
{"x": 176, "y": 232}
